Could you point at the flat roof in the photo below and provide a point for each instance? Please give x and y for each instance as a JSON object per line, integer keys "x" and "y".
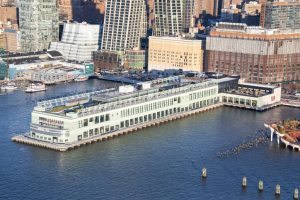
{"x": 225, "y": 79}
{"x": 259, "y": 85}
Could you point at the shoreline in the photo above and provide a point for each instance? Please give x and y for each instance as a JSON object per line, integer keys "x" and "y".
{"x": 21, "y": 138}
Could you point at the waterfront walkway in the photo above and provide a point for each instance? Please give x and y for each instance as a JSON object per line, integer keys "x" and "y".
{"x": 65, "y": 147}
{"x": 281, "y": 140}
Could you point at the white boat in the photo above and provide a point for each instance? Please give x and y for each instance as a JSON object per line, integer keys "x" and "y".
{"x": 35, "y": 87}
{"x": 10, "y": 86}
{"x": 81, "y": 78}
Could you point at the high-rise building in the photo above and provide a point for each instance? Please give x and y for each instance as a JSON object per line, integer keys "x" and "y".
{"x": 169, "y": 17}
{"x": 280, "y": 14}
{"x": 188, "y": 15}
{"x": 125, "y": 23}
{"x": 257, "y": 55}
{"x": 91, "y": 11}
{"x": 228, "y": 3}
{"x": 38, "y": 24}
{"x": 208, "y": 8}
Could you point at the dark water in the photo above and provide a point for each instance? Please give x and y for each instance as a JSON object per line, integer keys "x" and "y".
{"x": 157, "y": 163}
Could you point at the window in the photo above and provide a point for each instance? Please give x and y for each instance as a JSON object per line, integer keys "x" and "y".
{"x": 91, "y": 119}
{"x": 112, "y": 128}
{"x": 158, "y": 114}
{"x": 91, "y": 132}
{"x": 101, "y": 130}
{"x": 107, "y": 117}
{"x": 85, "y": 134}
{"x": 97, "y": 120}
{"x": 154, "y": 115}
{"x": 85, "y": 122}
{"x": 102, "y": 118}
{"x": 106, "y": 129}
{"x": 122, "y": 124}
{"x": 96, "y": 131}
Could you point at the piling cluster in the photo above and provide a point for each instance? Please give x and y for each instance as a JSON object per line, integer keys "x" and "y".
{"x": 277, "y": 188}
{"x": 252, "y": 141}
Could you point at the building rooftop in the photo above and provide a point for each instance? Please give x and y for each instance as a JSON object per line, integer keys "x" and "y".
{"x": 54, "y": 54}
{"x": 108, "y": 99}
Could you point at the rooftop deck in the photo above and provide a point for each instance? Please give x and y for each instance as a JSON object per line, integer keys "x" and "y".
{"x": 104, "y": 100}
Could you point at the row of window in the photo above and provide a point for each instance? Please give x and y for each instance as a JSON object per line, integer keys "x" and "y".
{"x": 201, "y": 94}
{"x": 149, "y": 107}
{"x": 93, "y": 120}
{"x": 145, "y": 118}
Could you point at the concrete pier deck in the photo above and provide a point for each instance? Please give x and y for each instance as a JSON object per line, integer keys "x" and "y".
{"x": 98, "y": 138}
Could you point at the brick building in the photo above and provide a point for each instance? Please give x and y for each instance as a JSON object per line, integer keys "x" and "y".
{"x": 258, "y": 55}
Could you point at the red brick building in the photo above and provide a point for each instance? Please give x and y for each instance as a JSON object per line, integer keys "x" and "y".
{"x": 258, "y": 55}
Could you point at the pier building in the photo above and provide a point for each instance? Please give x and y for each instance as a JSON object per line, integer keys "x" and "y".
{"x": 72, "y": 120}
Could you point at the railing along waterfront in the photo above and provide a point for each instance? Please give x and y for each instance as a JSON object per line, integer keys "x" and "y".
{"x": 62, "y": 100}
{"x": 145, "y": 98}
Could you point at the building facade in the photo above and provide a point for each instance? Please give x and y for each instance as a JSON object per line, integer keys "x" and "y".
{"x": 78, "y": 41}
{"x": 9, "y": 40}
{"x": 135, "y": 60}
{"x": 107, "y": 60}
{"x": 281, "y": 15}
{"x": 124, "y": 24}
{"x": 38, "y": 24}
{"x": 175, "y": 53}
{"x": 3, "y": 70}
{"x": 258, "y": 55}
{"x": 80, "y": 10}
{"x": 169, "y": 17}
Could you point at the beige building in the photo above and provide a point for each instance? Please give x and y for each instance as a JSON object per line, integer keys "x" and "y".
{"x": 175, "y": 53}
{"x": 9, "y": 41}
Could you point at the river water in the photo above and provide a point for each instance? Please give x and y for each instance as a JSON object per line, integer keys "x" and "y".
{"x": 162, "y": 162}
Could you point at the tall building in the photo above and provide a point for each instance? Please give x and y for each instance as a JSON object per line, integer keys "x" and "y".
{"x": 258, "y": 55}
{"x": 38, "y": 24}
{"x": 280, "y": 14}
{"x": 169, "y": 17}
{"x": 188, "y": 15}
{"x": 208, "y": 8}
{"x": 228, "y": 3}
{"x": 91, "y": 11}
{"x": 175, "y": 53}
{"x": 125, "y": 23}
{"x": 78, "y": 41}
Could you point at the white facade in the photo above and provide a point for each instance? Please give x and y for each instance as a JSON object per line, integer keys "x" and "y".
{"x": 108, "y": 117}
{"x": 78, "y": 41}
{"x": 64, "y": 121}
{"x": 257, "y": 101}
{"x": 124, "y": 24}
